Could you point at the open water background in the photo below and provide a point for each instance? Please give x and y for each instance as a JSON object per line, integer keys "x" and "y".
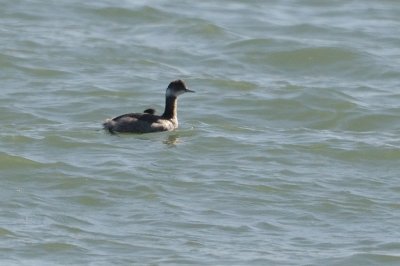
{"x": 288, "y": 154}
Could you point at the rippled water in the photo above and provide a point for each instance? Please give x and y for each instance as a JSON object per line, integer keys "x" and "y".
{"x": 288, "y": 153}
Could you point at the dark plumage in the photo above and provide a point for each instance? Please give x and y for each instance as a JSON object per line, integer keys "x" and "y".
{"x": 150, "y": 111}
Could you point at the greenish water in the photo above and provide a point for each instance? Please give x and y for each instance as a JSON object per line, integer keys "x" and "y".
{"x": 288, "y": 153}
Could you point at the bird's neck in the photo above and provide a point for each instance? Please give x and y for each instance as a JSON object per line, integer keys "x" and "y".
{"x": 170, "y": 107}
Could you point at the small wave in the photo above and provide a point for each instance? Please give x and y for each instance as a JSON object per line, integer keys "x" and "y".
{"x": 256, "y": 44}
{"x": 43, "y": 72}
{"x": 312, "y": 57}
{"x": 364, "y": 122}
{"x": 373, "y": 258}
{"x": 5, "y": 233}
{"x": 142, "y": 14}
{"x": 8, "y": 161}
{"x": 58, "y": 247}
{"x": 6, "y": 61}
{"x": 199, "y": 28}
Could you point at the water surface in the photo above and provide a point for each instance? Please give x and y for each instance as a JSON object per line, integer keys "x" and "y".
{"x": 288, "y": 153}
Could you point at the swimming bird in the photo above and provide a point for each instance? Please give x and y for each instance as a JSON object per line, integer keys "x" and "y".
{"x": 147, "y": 121}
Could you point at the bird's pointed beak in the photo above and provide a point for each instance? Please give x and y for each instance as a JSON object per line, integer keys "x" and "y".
{"x": 187, "y": 90}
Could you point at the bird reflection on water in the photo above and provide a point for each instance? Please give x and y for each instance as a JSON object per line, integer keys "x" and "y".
{"x": 172, "y": 140}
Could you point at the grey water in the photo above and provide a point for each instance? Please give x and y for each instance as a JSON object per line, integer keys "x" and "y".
{"x": 287, "y": 154}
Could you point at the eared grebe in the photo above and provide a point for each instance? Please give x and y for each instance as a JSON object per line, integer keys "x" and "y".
{"x": 147, "y": 121}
